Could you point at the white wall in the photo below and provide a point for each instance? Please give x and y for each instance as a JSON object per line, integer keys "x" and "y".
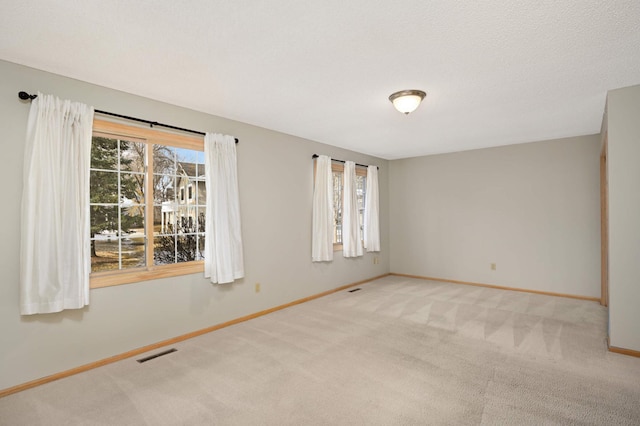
{"x": 275, "y": 180}
{"x": 532, "y": 209}
{"x": 623, "y": 125}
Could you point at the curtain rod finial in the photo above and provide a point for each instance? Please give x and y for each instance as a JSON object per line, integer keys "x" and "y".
{"x": 25, "y": 96}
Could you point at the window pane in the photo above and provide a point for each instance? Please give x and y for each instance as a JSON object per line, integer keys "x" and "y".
{"x": 200, "y": 190}
{"x": 190, "y": 162}
{"x": 132, "y": 156}
{"x": 201, "y": 247}
{"x": 164, "y": 160}
{"x": 186, "y": 223}
{"x": 200, "y": 162}
{"x": 164, "y": 250}
{"x": 183, "y": 185}
{"x": 133, "y": 237}
{"x": 133, "y": 252}
{"x": 104, "y": 153}
{"x": 187, "y": 249}
{"x": 132, "y": 220}
{"x": 103, "y": 187}
{"x": 186, "y": 169}
{"x": 114, "y": 248}
{"x": 337, "y": 207}
{"x": 104, "y": 220}
{"x": 164, "y": 188}
{"x": 105, "y": 254}
{"x": 361, "y": 185}
{"x": 202, "y": 215}
{"x": 163, "y": 219}
{"x": 131, "y": 188}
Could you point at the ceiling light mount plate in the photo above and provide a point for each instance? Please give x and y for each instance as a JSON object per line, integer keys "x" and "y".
{"x": 407, "y": 101}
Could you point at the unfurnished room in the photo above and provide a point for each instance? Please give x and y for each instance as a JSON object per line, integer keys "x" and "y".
{"x": 320, "y": 213}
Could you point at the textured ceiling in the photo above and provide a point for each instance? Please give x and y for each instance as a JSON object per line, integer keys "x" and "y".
{"x": 496, "y": 72}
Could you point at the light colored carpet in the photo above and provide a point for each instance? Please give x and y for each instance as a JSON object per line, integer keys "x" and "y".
{"x": 398, "y": 352}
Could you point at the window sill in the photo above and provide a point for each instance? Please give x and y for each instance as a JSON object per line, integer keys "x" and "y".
{"x": 338, "y": 247}
{"x": 108, "y": 279}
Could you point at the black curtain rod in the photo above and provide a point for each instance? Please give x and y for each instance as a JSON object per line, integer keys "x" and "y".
{"x": 342, "y": 161}
{"x": 25, "y": 96}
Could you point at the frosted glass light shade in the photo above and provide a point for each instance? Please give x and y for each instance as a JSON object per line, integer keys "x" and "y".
{"x": 407, "y": 101}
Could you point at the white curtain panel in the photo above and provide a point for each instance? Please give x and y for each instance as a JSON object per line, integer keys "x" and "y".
{"x": 55, "y": 251}
{"x": 372, "y": 211}
{"x": 322, "y": 238}
{"x": 351, "y": 233}
{"x": 223, "y": 259}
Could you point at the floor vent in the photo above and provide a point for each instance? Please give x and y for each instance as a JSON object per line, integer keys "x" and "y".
{"x": 355, "y": 289}
{"x": 150, "y": 357}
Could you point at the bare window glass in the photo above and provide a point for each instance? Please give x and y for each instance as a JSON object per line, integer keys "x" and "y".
{"x": 338, "y": 199}
{"x": 337, "y": 207}
{"x": 124, "y": 190}
{"x": 117, "y": 204}
{"x": 179, "y": 221}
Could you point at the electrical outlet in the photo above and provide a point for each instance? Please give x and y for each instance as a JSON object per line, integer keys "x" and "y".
{"x": 493, "y": 266}
{"x": 376, "y": 260}
{"x": 257, "y": 287}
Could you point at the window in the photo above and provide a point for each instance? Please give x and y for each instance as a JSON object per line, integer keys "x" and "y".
{"x": 141, "y": 228}
{"x": 338, "y": 198}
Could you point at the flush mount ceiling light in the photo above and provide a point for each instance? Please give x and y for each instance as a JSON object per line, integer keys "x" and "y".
{"x": 407, "y": 101}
